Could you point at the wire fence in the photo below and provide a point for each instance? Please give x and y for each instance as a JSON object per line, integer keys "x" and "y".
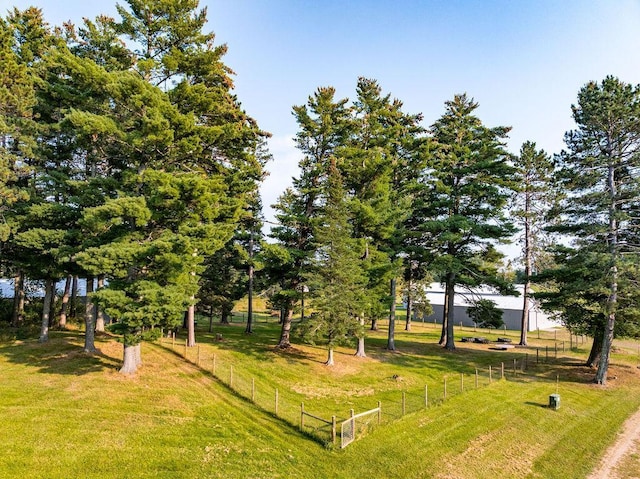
{"x": 391, "y": 405}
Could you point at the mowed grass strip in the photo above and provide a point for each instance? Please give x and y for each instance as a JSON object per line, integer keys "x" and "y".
{"x": 68, "y": 414}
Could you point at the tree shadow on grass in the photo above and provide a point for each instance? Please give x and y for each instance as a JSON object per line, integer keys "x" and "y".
{"x": 62, "y": 354}
{"x": 260, "y": 345}
{"x": 537, "y": 404}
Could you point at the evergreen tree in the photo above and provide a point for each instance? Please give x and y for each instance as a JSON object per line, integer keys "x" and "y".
{"x": 324, "y": 125}
{"x": 335, "y": 276}
{"x": 460, "y": 204}
{"x": 17, "y": 98}
{"x": 579, "y": 292}
{"x": 381, "y": 159}
{"x": 533, "y": 200}
{"x": 184, "y": 159}
{"x": 599, "y": 173}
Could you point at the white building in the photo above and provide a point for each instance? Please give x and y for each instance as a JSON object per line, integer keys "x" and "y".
{"x": 511, "y": 307}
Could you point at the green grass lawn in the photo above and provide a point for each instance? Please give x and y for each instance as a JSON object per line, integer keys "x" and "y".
{"x": 67, "y": 414}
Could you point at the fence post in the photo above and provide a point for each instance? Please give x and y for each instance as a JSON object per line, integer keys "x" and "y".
{"x": 302, "y": 416}
{"x": 526, "y": 361}
{"x": 173, "y": 341}
{"x": 476, "y": 378}
{"x": 353, "y": 423}
{"x": 253, "y": 390}
{"x": 276, "y": 405}
{"x": 333, "y": 429}
{"x": 379, "y": 412}
{"x": 404, "y": 403}
{"x": 501, "y": 370}
{"x": 490, "y": 378}
{"x": 515, "y": 361}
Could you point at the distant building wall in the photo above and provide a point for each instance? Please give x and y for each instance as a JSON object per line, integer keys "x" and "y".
{"x": 511, "y": 318}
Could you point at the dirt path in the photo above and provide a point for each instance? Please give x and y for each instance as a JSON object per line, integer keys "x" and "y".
{"x": 624, "y": 445}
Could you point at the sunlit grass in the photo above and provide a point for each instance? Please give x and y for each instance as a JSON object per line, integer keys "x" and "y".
{"x": 68, "y": 414}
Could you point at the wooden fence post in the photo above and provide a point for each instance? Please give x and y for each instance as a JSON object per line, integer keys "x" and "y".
{"x": 333, "y": 429}
{"x": 515, "y": 361}
{"x": 404, "y": 403}
{"x": 379, "y": 412}
{"x": 501, "y": 370}
{"x": 476, "y": 378}
{"x": 490, "y": 378}
{"x": 302, "y": 416}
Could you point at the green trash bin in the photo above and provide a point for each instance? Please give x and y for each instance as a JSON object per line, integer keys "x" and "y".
{"x": 554, "y": 401}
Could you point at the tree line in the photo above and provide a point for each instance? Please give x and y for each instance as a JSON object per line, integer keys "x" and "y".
{"x": 126, "y": 159}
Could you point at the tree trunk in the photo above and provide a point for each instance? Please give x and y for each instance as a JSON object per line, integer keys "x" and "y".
{"x": 99, "y": 313}
{"x": 524, "y": 321}
{"x": 445, "y": 315}
{"x": 18, "y": 300}
{"x": 285, "y": 333}
{"x": 374, "y": 324}
{"x": 138, "y": 354}
{"x": 191, "y": 325}
{"x": 129, "y": 361}
{"x": 211, "y": 319}
{"x": 450, "y": 286}
{"x": 391, "y": 346}
{"x": 407, "y": 325}
{"x": 89, "y": 320}
{"x": 596, "y": 348}
{"x": 52, "y": 306}
{"x": 360, "y": 349}
{"x": 612, "y": 300}
{"x": 329, "y": 357}
{"x": 249, "y": 327}
{"x": 46, "y": 310}
{"x": 74, "y": 296}
{"x": 65, "y": 302}
{"x": 224, "y": 318}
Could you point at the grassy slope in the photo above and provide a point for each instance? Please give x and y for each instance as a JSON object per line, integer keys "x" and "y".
{"x": 71, "y": 415}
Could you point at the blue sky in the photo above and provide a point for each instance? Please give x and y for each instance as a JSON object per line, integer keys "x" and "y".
{"x": 523, "y": 61}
